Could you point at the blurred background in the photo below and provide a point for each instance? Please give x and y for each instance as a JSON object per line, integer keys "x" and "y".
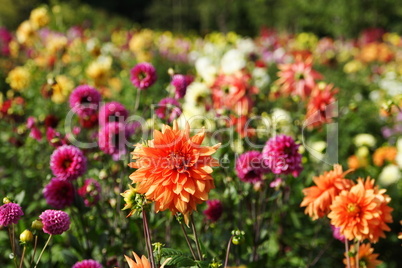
{"x": 336, "y": 18}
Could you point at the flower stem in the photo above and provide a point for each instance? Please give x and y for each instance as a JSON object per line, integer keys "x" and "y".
{"x": 197, "y": 242}
{"x": 188, "y": 241}
{"x": 34, "y": 249}
{"x": 357, "y": 253}
{"x": 347, "y": 252}
{"x": 22, "y": 256}
{"x": 137, "y": 100}
{"x": 228, "y": 252}
{"x": 43, "y": 250}
{"x": 148, "y": 239}
{"x": 12, "y": 238}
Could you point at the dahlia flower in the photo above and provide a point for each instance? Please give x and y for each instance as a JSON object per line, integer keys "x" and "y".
{"x": 90, "y": 192}
{"x": 318, "y": 199}
{"x": 10, "y": 213}
{"x": 174, "y": 170}
{"x": 59, "y": 193}
{"x": 55, "y": 221}
{"x": 366, "y": 256}
{"x": 142, "y": 262}
{"x": 336, "y": 232}
{"x": 281, "y": 155}
{"x": 143, "y": 75}
{"x": 319, "y": 108}
{"x": 87, "y": 264}
{"x": 112, "y": 112}
{"x": 297, "y": 78}
{"x": 84, "y": 101}
{"x": 214, "y": 210}
{"x": 68, "y": 162}
{"x": 112, "y": 139}
{"x": 168, "y": 109}
{"x": 250, "y": 167}
{"x": 180, "y": 83}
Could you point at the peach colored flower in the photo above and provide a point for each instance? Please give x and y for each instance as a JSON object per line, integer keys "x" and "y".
{"x": 385, "y": 153}
{"x": 174, "y": 170}
{"x": 367, "y": 258}
{"x": 318, "y": 198}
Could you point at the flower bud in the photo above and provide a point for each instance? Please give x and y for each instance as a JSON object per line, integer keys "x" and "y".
{"x": 26, "y": 236}
{"x": 37, "y": 225}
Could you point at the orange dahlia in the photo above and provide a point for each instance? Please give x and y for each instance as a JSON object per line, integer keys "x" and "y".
{"x": 297, "y": 78}
{"x": 366, "y": 257}
{"x": 139, "y": 262}
{"x": 385, "y": 153}
{"x": 361, "y": 212}
{"x": 318, "y": 198}
{"x": 174, "y": 170}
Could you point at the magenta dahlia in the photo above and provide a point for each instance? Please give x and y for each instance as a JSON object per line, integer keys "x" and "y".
{"x": 68, "y": 162}
{"x": 112, "y": 112}
{"x": 84, "y": 101}
{"x": 112, "y": 139}
{"x": 59, "y": 193}
{"x": 87, "y": 264}
{"x": 336, "y": 232}
{"x": 250, "y": 167}
{"x": 214, "y": 210}
{"x": 143, "y": 75}
{"x": 281, "y": 155}
{"x": 55, "y": 221}
{"x": 90, "y": 192}
{"x": 10, "y": 213}
{"x": 168, "y": 109}
{"x": 180, "y": 83}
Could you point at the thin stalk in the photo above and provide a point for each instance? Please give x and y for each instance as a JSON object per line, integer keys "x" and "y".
{"x": 357, "y": 253}
{"x": 197, "y": 242}
{"x": 22, "y": 256}
{"x": 148, "y": 239}
{"x": 11, "y": 236}
{"x": 228, "y": 252}
{"x": 188, "y": 241}
{"x": 137, "y": 100}
{"x": 43, "y": 250}
{"x": 347, "y": 252}
{"x": 34, "y": 250}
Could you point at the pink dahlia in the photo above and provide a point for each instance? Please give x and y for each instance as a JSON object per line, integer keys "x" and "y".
{"x": 143, "y": 75}
{"x": 297, "y": 78}
{"x": 180, "y": 83}
{"x": 68, "y": 162}
{"x": 112, "y": 139}
{"x": 10, "y": 213}
{"x": 84, "y": 101}
{"x": 55, "y": 221}
{"x": 250, "y": 167}
{"x": 54, "y": 138}
{"x": 112, "y": 112}
{"x": 336, "y": 232}
{"x": 168, "y": 109}
{"x": 90, "y": 192}
{"x": 87, "y": 264}
{"x": 281, "y": 155}
{"x": 59, "y": 193}
{"x": 214, "y": 210}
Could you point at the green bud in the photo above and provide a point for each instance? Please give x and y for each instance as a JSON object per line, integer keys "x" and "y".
{"x": 26, "y": 237}
{"x": 37, "y": 225}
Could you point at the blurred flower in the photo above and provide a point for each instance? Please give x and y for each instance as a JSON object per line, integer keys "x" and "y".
{"x": 61, "y": 88}
{"x": 297, "y": 79}
{"x": 112, "y": 112}
{"x": 389, "y": 175}
{"x": 233, "y": 61}
{"x": 90, "y": 192}
{"x": 68, "y": 162}
{"x": 281, "y": 155}
{"x": 181, "y": 163}
{"x": 141, "y": 44}
{"x": 39, "y": 17}
{"x": 59, "y": 193}
{"x": 5, "y": 39}
{"x": 197, "y": 98}
{"x": 206, "y": 69}
{"x": 19, "y": 78}
{"x": 112, "y": 139}
{"x": 250, "y": 167}
{"x": 143, "y": 75}
{"x": 10, "y": 213}
{"x": 383, "y": 154}
{"x": 261, "y": 77}
{"x": 355, "y": 162}
{"x": 361, "y": 212}
{"x": 84, "y": 100}
{"x": 54, "y": 138}
{"x": 87, "y": 264}
{"x": 168, "y": 109}
{"x": 99, "y": 70}
{"x": 214, "y": 210}
{"x": 352, "y": 66}
{"x": 55, "y": 221}
{"x": 139, "y": 262}
{"x": 56, "y": 43}
{"x": 318, "y": 199}
{"x": 25, "y": 33}
{"x": 364, "y": 139}
{"x": 367, "y": 258}
{"x": 337, "y": 234}
{"x": 180, "y": 83}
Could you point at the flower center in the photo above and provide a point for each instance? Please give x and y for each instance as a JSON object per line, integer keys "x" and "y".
{"x": 353, "y": 209}
{"x": 178, "y": 161}
{"x": 67, "y": 163}
{"x": 299, "y": 76}
{"x": 142, "y": 75}
{"x": 86, "y": 100}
